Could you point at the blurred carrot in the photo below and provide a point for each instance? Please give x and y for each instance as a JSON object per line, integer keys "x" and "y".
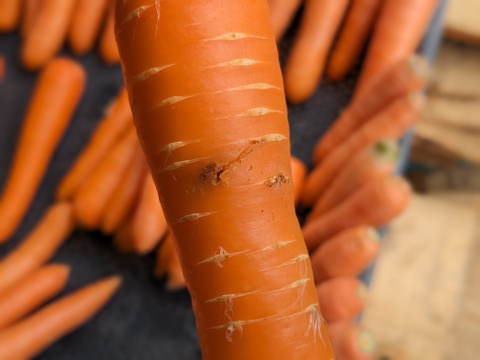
{"x": 122, "y": 239}
{"x": 347, "y": 253}
{"x": 30, "y": 292}
{"x": 39, "y": 246}
{"x": 47, "y": 33}
{"x": 10, "y": 11}
{"x": 117, "y": 121}
{"x": 374, "y": 204}
{"x": 350, "y": 342}
{"x": 175, "y": 277}
{"x": 282, "y": 13}
{"x": 353, "y": 35}
{"x": 34, "y": 334}
{"x": 2, "y": 68}
{"x": 299, "y": 172}
{"x": 108, "y": 45}
{"x": 163, "y": 256}
{"x": 55, "y": 98}
{"x": 30, "y": 11}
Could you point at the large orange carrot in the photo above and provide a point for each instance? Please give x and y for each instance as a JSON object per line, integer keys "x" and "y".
{"x": 126, "y": 194}
{"x": 85, "y": 25}
{"x": 388, "y": 44}
{"x": 390, "y": 123}
{"x": 341, "y": 299}
{"x": 34, "y": 334}
{"x": 47, "y": 33}
{"x": 39, "y": 246}
{"x": 111, "y": 127}
{"x": 92, "y": 198}
{"x": 30, "y": 292}
{"x": 108, "y": 45}
{"x": 305, "y": 65}
{"x": 282, "y": 13}
{"x": 10, "y": 11}
{"x": 218, "y": 146}
{"x": 352, "y": 37}
{"x": 350, "y": 342}
{"x": 370, "y": 164}
{"x": 374, "y": 204}
{"x": 30, "y": 11}
{"x": 346, "y": 254}
{"x": 55, "y": 98}
{"x": 299, "y": 172}
{"x": 406, "y": 76}
{"x": 148, "y": 222}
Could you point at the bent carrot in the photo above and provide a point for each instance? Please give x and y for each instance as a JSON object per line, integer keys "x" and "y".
{"x": 47, "y": 34}
{"x": 10, "y": 11}
{"x": 282, "y": 13}
{"x": 39, "y": 246}
{"x": 218, "y": 148}
{"x": 306, "y": 61}
{"x": 404, "y": 77}
{"x": 370, "y": 164}
{"x": 51, "y": 108}
{"x": 388, "y": 44}
{"x": 391, "y": 123}
{"x": 30, "y": 11}
{"x": 108, "y": 45}
{"x": 351, "y": 342}
{"x": 374, "y": 204}
{"x": 299, "y": 172}
{"x": 352, "y": 37}
{"x": 34, "y": 334}
{"x": 85, "y": 25}
{"x": 92, "y": 198}
{"x": 115, "y": 123}
{"x": 342, "y": 298}
{"x": 347, "y": 253}
{"x": 30, "y": 292}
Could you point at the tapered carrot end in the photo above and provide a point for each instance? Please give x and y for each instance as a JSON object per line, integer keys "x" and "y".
{"x": 417, "y": 99}
{"x": 419, "y": 66}
{"x": 386, "y": 150}
{"x": 110, "y": 284}
{"x": 61, "y": 269}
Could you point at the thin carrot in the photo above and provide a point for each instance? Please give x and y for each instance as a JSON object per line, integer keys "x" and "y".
{"x": 210, "y": 112}
{"x": 163, "y": 256}
{"x": 123, "y": 200}
{"x": 374, "y": 204}
{"x": 347, "y": 253}
{"x": 148, "y": 223}
{"x": 51, "y": 108}
{"x": 122, "y": 239}
{"x": 391, "y": 123}
{"x": 299, "y": 172}
{"x": 352, "y": 37}
{"x": 108, "y": 45}
{"x": 91, "y": 200}
{"x": 39, "y": 246}
{"x": 10, "y": 11}
{"x": 47, "y": 34}
{"x": 370, "y": 164}
{"x": 388, "y": 44}
{"x": 306, "y": 61}
{"x": 404, "y": 77}
{"x": 115, "y": 123}
{"x": 282, "y": 13}
{"x": 85, "y": 25}
{"x": 29, "y": 16}
{"x": 34, "y": 334}
{"x": 351, "y": 342}
{"x": 30, "y": 292}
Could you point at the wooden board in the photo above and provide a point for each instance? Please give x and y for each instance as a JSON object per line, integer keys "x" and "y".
{"x": 461, "y": 20}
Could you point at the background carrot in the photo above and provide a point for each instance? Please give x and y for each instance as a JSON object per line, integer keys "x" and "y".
{"x": 39, "y": 246}
{"x": 122, "y": 239}
{"x": 163, "y": 255}
{"x": 32, "y": 335}
{"x": 10, "y": 11}
{"x": 55, "y": 98}
{"x": 299, "y": 172}
{"x": 307, "y": 58}
{"x": 108, "y": 45}
{"x": 175, "y": 276}
{"x": 352, "y": 37}
{"x": 282, "y": 13}
{"x": 30, "y": 292}
{"x": 350, "y": 342}
{"x": 29, "y": 16}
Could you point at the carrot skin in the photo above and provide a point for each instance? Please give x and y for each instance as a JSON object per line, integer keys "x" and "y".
{"x": 108, "y": 45}
{"x": 31, "y": 292}
{"x": 282, "y": 13}
{"x": 34, "y": 334}
{"x": 122, "y": 239}
{"x": 39, "y": 246}
{"x": 299, "y": 172}
{"x": 10, "y": 11}
{"x": 350, "y": 342}
{"x": 30, "y": 11}
{"x": 51, "y": 108}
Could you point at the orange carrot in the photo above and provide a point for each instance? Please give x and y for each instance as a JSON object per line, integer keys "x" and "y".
{"x": 299, "y": 172}
{"x": 122, "y": 239}
{"x": 350, "y": 342}
{"x": 39, "y": 246}
{"x": 10, "y": 11}
{"x": 374, "y": 204}
{"x": 85, "y": 25}
{"x": 30, "y": 11}
{"x": 30, "y": 292}
{"x": 282, "y": 13}
{"x": 210, "y": 111}
{"x": 352, "y": 37}
{"x": 404, "y": 77}
{"x": 92, "y": 198}
{"x": 34, "y": 334}
{"x": 55, "y": 98}
{"x": 388, "y": 44}
{"x": 163, "y": 256}
{"x": 124, "y": 198}
{"x": 2, "y": 68}
{"x": 392, "y": 123}
{"x": 347, "y": 253}
{"x": 108, "y": 45}
{"x": 306, "y": 61}
{"x": 47, "y": 33}
{"x": 148, "y": 222}
{"x": 370, "y": 164}
{"x": 111, "y": 127}
{"x": 341, "y": 299}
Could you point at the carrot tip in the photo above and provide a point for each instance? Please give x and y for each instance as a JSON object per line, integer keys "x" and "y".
{"x": 366, "y": 342}
{"x": 419, "y": 66}
{"x": 362, "y": 292}
{"x": 387, "y": 150}
{"x": 372, "y": 234}
{"x": 417, "y": 99}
